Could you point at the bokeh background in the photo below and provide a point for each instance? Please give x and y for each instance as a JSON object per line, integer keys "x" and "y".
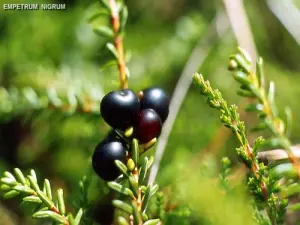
{"x": 39, "y": 49}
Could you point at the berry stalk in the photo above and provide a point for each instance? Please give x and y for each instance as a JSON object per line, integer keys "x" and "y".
{"x": 118, "y": 43}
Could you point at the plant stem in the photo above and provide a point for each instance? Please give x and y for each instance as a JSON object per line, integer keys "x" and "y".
{"x": 118, "y": 43}
{"x": 273, "y": 125}
{"x": 233, "y": 121}
{"x": 138, "y": 200}
{"x": 255, "y": 166}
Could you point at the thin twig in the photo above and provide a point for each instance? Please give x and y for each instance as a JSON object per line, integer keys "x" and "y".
{"x": 240, "y": 26}
{"x": 288, "y": 14}
{"x": 217, "y": 29}
{"x": 118, "y": 43}
{"x": 278, "y": 154}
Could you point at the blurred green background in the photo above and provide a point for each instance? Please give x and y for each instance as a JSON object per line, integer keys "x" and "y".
{"x": 42, "y": 48}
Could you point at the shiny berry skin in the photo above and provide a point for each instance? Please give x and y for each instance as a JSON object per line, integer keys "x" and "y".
{"x": 120, "y": 109}
{"x": 104, "y": 157}
{"x": 113, "y": 136}
{"x": 155, "y": 98}
{"x": 148, "y": 126}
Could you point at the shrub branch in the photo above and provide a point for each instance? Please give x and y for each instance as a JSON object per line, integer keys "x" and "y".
{"x": 231, "y": 119}
{"x": 40, "y": 199}
{"x": 253, "y": 85}
{"x": 118, "y": 43}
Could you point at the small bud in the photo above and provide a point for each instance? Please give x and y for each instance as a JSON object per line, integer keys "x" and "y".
{"x": 128, "y": 132}
{"x": 232, "y": 65}
{"x": 280, "y": 125}
{"x": 226, "y": 161}
{"x": 140, "y": 95}
{"x": 144, "y": 217}
{"x": 149, "y": 144}
{"x": 130, "y": 165}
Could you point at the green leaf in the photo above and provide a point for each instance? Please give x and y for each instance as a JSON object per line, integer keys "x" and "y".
{"x": 5, "y": 187}
{"x": 72, "y": 101}
{"x": 154, "y": 189}
{"x": 127, "y": 72}
{"x": 124, "y": 16}
{"x": 61, "y": 202}
{"x": 254, "y": 108}
{"x": 11, "y": 194}
{"x": 271, "y": 97}
{"x": 33, "y": 199}
{"x": 135, "y": 151}
{"x": 241, "y": 77}
{"x": 47, "y": 189}
{"x": 286, "y": 170}
{"x": 259, "y": 127}
{"x": 144, "y": 169}
{"x": 23, "y": 189}
{"x": 122, "y": 221}
{"x": 78, "y": 217}
{"x": 45, "y": 199}
{"x": 150, "y": 161}
{"x": 119, "y": 188}
{"x": 113, "y": 50}
{"x": 9, "y": 175}
{"x": 105, "y": 4}
{"x": 291, "y": 190}
{"x": 145, "y": 217}
{"x": 152, "y": 222}
{"x": 33, "y": 174}
{"x": 8, "y": 181}
{"x": 71, "y": 219}
{"x": 242, "y": 63}
{"x": 49, "y": 215}
{"x": 53, "y": 97}
{"x": 146, "y": 199}
{"x": 122, "y": 167}
{"x": 31, "y": 96}
{"x": 98, "y": 14}
{"x": 260, "y": 72}
{"x": 136, "y": 214}
{"x": 245, "y": 54}
{"x": 104, "y": 31}
{"x": 108, "y": 64}
{"x": 289, "y": 121}
{"x": 122, "y": 206}
{"x": 245, "y": 93}
{"x": 271, "y": 143}
{"x": 134, "y": 185}
{"x": 33, "y": 183}
{"x": 20, "y": 176}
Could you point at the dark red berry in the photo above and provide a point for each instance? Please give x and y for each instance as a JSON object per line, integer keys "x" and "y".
{"x": 157, "y": 99}
{"x": 148, "y": 126}
{"x": 104, "y": 159}
{"x": 120, "y": 109}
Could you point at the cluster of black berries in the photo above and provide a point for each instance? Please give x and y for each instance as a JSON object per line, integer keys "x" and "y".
{"x": 121, "y": 110}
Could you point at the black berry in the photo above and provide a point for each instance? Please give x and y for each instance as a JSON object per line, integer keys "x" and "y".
{"x": 104, "y": 157}
{"x": 120, "y": 109}
{"x": 148, "y": 126}
{"x": 155, "y": 98}
{"x": 113, "y": 136}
